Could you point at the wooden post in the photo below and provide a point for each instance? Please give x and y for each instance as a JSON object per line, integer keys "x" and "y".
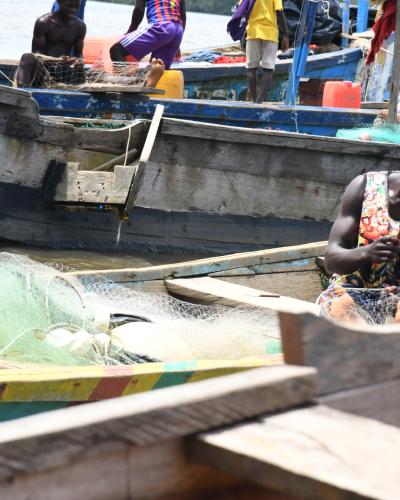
{"x": 362, "y": 16}
{"x": 395, "y": 83}
{"x": 345, "y": 23}
{"x": 306, "y": 27}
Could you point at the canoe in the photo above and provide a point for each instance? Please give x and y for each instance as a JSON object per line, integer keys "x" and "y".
{"x": 235, "y": 186}
{"x": 304, "y": 119}
{"x": 27, "y": 390}
{"x": 313, "y": 427}
{"x": 229, "y": 81}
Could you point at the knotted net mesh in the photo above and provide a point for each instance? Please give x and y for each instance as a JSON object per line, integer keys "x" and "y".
{"x": 71, "y": 74}
{"x": 371, "y": 306}
{"x": 48, "y": 316}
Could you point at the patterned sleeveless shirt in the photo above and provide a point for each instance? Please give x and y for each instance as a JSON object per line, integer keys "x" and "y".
{"x": 163, "y": 10}
{"x": 375, "y": 222}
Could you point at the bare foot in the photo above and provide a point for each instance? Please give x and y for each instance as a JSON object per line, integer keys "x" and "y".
{"x": 155, "y": 73}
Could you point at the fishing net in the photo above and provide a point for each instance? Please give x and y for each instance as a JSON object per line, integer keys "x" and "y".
{"x": 49, "y": 317}
{"x": 381, "y": 133}
{"x": 375, "y": 306}
{"x": 71, "y": 74}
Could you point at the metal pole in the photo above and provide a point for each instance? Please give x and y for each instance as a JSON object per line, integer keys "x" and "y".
{"x": 395, "y": 82}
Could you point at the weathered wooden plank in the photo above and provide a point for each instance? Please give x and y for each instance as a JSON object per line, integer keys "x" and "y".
{"x": 213, "y": 291}
{"x": 158, "y": 472}
{"x": 36, "y": 444}
{"x": 378, "y": 401}
{"x": 82, "y": 186}
{"x": 209, "y": 265}
{"x": 137, "y": 179}
{"x": 346, "y": 356}
{"x": 314, "y": 453}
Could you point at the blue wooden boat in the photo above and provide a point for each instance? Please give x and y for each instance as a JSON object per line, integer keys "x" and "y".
{"x": 228, "y": 81}
{"x": 304, "y": 119}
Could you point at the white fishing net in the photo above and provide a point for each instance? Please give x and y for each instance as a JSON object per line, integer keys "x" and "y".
{"x": 372, "y": 306}
{"x": 71, "y": 74}
{"x": 47, "y": 316}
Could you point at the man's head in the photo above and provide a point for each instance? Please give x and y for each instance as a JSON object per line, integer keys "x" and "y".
{"x": 69, "y": 8}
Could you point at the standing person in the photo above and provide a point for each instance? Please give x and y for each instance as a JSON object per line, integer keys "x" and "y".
{"x": 161, "y": 36}
{"x": 266, "y": 20}
{"x": 80, "y": 13}
{"x": 55, "y": 36}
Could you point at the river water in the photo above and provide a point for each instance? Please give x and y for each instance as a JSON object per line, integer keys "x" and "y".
{"x": 17, "y": 18}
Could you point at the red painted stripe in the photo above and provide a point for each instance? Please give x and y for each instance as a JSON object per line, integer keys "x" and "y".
{"x": 114, "y": 383}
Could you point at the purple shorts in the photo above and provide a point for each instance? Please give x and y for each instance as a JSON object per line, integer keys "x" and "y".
{"x": 161, "y": 40}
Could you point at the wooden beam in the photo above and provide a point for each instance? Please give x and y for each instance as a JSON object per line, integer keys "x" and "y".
{"x": 37, "y": 443}
{"x": 346, "y": 356}
{"x": 214, "y": 291}
{"x": 144, "y": 158}
{"x": 314, "y": 452}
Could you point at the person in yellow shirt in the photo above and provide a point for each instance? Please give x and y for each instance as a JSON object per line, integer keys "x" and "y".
{"x": 266, "y": 20}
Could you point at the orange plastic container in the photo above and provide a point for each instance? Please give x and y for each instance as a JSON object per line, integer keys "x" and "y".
{"x": 342, "y": 95}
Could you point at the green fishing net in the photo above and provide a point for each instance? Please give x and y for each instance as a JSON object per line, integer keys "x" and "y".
{"x": 383, "y": 133}
{"x": 48, "y": 316}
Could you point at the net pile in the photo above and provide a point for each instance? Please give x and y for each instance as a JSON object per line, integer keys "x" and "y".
{"x": 49, "y": 317}
{"x": 378, "y": 133}
{"x": 375, "y": 306}
{"x": 70, "y": 73}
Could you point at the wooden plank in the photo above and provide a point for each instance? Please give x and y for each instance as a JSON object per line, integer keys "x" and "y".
{"x": 37, "y": 443}
{"x": 346, "y": 355}
{"x": 213, "y": 291}
{"x": 89, "y": 187}
{"x": 158, "y": 472}
{"x": 378, "y": 401}
{"x": 211, "y": 264}
{"x": 120, "y": 89}
{"x": 144, "y": 158}
{"x": 314, "y": 452}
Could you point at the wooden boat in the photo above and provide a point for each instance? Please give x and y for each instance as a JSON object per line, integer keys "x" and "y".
{"x": 228, "y": 81}
{"x": 31, "y": 389}
{"x": 304, "y": 119}
{"x": 235, "y": 186}
{"x": 282, "y": 432}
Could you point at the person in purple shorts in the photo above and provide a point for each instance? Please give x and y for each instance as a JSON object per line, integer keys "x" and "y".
{"x": 161, "y": 36}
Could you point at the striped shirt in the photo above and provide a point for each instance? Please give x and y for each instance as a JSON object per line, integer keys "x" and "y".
{"x": 163, "y": 10}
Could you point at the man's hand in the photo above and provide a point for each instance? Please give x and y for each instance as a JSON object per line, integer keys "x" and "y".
{"x": 284, "y": 43}
{"x": 382, "y": 250}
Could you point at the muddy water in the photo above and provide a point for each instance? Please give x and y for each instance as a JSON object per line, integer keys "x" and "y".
{"x": 82, "y": 259}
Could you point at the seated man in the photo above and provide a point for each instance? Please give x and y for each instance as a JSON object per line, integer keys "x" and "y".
{"x": 161, "y": 37}
{"x": 364, "y": 250}
{"x": 55, "y": 36}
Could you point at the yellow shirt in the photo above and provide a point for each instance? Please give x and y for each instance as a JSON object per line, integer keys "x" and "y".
{"x": 262, "y": 22}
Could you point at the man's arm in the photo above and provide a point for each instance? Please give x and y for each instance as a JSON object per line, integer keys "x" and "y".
{"x": 282, "y": 26}
{"x": 39, "y": 36}
{"x": 78, "y": 45}
{"x": 183, "y": 13}
{"x": 342, "y": 255}
{"x": 137, "y": 16}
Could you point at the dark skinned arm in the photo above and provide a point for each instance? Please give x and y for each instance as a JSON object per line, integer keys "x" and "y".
{"x": 78, "y": 46}
{"x": 183, "y": 13}
{"x": 39, "y": 37}
{"x": 342, "y": 255}
{"x": 282, "y": 26}
{"x": 137, "y": 16}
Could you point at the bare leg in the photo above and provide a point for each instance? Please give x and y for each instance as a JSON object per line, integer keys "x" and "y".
{"x": 156, "y": 72}
{"x": 26, "y": 70}
{"x": 252, "y": 83}
{"x": 342, "y": 308}
{"x": 118, "y": 53}
{"x": 265, "y": 84}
